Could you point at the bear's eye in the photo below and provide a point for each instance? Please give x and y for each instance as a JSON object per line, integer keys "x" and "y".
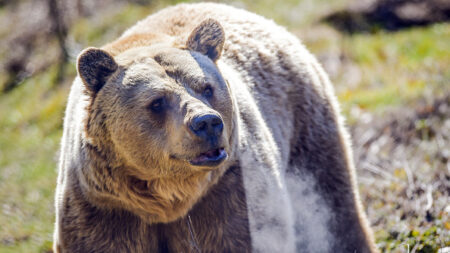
{"x": 208, "y": 91}
{"x": 157, "y": 105}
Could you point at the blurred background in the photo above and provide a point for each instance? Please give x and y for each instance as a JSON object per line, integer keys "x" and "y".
{"x": 389, "y": 61}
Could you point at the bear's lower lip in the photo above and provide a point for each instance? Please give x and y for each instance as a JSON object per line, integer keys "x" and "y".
{"x": 211, "y": 158}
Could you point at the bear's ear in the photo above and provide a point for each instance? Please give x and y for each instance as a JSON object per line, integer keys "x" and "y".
{"x": 207, "y": 38}
{"x": 95, "y": 66}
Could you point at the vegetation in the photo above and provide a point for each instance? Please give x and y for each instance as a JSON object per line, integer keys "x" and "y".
{"x": 393, "y": 87}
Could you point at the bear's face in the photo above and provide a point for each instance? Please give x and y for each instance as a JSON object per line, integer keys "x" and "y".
{"x": 166, "y": 113}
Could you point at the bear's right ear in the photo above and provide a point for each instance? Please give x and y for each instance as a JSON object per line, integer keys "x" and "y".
{"x": 207, "y": 38}
{"x": 95, "y": 66}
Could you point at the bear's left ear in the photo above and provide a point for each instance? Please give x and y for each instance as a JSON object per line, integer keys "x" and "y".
{"x": 95, "y": 66}
{"x": 207, "y": 38}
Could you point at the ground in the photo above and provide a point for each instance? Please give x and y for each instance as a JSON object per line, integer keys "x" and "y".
{"x": 393, "y": 88}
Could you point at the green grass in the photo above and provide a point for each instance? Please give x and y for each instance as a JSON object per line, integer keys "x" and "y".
{"x": 393, "y": 68}
{"x": 398, "y": 67}
{"x": 31, "y": 121}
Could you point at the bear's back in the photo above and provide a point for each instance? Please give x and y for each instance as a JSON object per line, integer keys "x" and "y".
{"x": 264, "y": 53}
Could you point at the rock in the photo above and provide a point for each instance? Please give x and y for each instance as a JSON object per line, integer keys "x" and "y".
{"x": 392, "y": 15}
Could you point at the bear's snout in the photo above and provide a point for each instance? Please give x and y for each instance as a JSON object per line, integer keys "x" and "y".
{"x": 207, "y": 126}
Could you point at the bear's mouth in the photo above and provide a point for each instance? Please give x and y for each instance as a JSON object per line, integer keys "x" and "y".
{"x": 211, "y": 158}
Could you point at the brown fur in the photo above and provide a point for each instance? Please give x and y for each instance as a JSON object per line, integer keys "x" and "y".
{"x": 208, "y": 39}
{"x": 121, "y": 231}
{"x": 125, "y": 183}
{"x": 157, "y": 195}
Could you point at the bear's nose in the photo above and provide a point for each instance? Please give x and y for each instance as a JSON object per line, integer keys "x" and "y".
{"x": 207, "y": 126}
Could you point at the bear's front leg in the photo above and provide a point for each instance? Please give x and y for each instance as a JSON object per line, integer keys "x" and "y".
{"x": 321, "y": 176}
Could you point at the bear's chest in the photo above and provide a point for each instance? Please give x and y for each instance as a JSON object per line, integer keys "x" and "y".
{"x": 218, "y": 223}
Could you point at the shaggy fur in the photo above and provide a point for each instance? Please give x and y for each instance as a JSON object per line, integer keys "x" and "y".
{"x": 125, "y": 183}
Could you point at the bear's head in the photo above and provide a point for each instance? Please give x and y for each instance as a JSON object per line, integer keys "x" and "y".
{"x": 160, "y": 124}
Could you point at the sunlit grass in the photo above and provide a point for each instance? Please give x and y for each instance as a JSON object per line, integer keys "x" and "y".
{"x": 392, "y": 68}
{"x": 30, "y": 119}
{"x": 402, "y": 63}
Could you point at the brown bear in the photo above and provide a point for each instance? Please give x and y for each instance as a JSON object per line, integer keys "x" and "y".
{"x": 205, "y": 128}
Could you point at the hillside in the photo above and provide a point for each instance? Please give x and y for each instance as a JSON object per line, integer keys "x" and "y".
{"x": 394, "y": 88}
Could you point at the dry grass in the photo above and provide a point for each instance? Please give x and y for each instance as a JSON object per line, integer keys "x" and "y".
{"x": 403, "y": 162}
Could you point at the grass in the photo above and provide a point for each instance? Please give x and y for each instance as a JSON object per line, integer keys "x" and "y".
{"x": 392, "y": 69}
{"x": 403, "y": 174}
{"x": 31, "y": 121}
{"x": 397, "y": 67}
